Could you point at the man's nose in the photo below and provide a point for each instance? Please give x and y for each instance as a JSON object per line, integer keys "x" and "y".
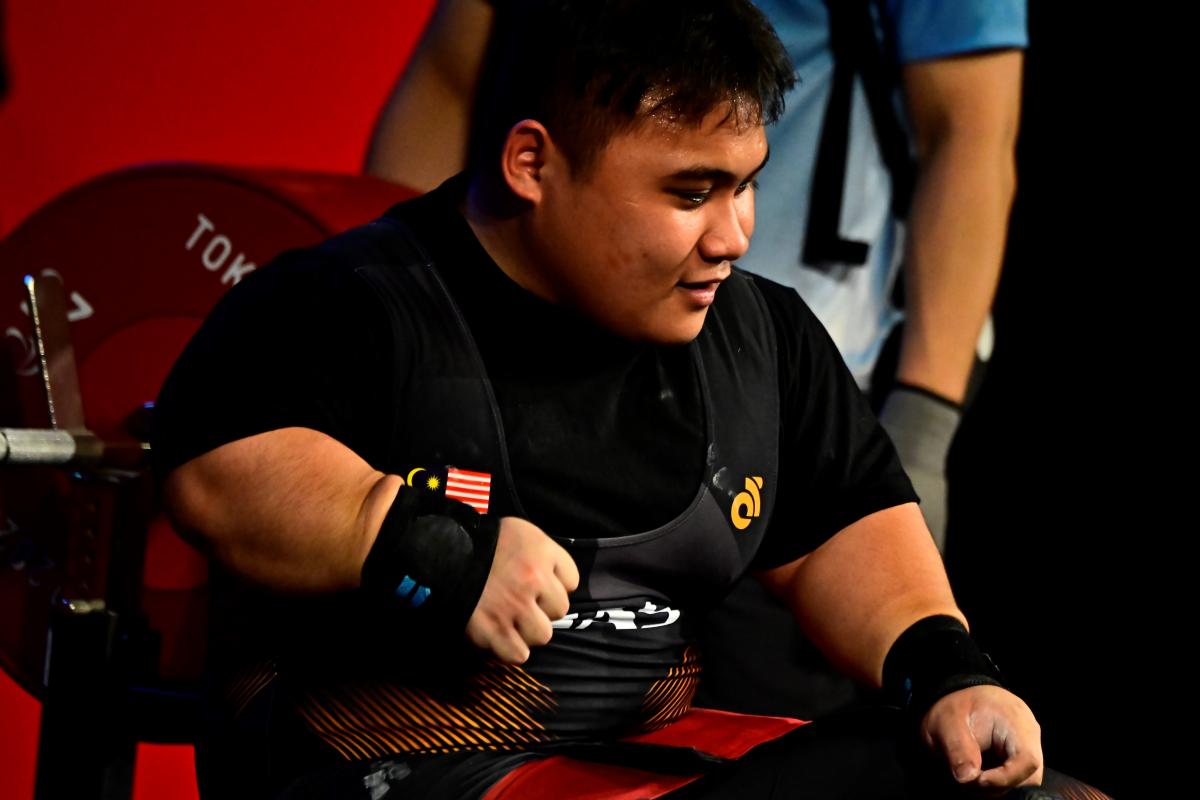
{"x": 729, "y": 230}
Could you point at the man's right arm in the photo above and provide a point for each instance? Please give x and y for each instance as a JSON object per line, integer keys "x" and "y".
{"x": 298, "y": 512}
{"x": 292, "y": 509}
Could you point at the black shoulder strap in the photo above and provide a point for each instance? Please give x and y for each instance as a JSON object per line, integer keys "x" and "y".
{"x": 383, "y": 241}
{"x": 856, "y": 51}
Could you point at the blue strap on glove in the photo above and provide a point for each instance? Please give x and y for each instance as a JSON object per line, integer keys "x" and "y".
{"x": 431, "y": 558}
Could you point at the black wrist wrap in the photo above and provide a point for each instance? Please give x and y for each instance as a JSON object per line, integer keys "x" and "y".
{"x": 934, "y": 657}
{"x": 431, "y": 558}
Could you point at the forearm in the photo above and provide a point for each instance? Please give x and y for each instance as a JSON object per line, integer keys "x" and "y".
{"x": 298, "y": 512}
{"x": 291, "y": 509}
{"x": 421, "y": 137}
{"x": 860, "y": 590}
{"x": 957, "y": 230}
{"x": 422, "y": 133}
{"x": 965, "y": 113}
{"x": 868, "y": 587}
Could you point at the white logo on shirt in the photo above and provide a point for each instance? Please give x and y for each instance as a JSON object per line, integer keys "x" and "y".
{"x": 622, "y": 619}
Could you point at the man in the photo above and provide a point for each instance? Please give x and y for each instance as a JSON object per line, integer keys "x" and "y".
{"x": 834, "y": 210}
{"x": 959, "y": 66}
{"x": 631, "y": 423}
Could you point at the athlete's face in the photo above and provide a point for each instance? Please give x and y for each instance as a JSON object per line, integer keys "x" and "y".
{"x": 642, "y": 241}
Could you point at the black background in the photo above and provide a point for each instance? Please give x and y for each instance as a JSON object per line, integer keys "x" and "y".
{"x": 1065, "y": 475}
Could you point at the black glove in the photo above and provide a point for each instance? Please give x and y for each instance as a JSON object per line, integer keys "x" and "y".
{"x": 932, "y": 658}
{"x": 431, "y": 558}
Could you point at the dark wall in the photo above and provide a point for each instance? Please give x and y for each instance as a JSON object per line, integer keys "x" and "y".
{"x": 1059, "y": 508}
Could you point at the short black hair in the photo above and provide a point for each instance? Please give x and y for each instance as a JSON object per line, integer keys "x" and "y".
{"x": 587, "y": 69}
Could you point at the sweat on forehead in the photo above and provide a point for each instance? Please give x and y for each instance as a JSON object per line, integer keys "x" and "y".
{"x": 738, "y": 108}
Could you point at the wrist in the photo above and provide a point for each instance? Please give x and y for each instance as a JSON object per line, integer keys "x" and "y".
{"x": 928, "y": 393}
{"x": 431, "y": 558}
{"x": 932, "y": 658}
{"x": 921, "y": 425}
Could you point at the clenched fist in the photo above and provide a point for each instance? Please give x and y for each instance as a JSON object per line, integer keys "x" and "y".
{"x": 966, "y": 724}
{"x": 526, "y": 590}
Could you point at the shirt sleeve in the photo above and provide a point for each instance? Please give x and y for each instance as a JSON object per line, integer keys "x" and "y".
{"x": 836, "y": 463}
{"x": 926, "y": 29}
{"x": 301, "y": 342}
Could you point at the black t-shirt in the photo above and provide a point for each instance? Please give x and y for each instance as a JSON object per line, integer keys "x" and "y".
{"x": 604, "y": 435}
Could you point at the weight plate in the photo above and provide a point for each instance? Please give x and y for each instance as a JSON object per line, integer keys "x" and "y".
{"x": 143, "y": 254}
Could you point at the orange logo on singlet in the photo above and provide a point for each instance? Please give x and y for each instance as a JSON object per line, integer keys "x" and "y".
{"x": 748, "y": 504}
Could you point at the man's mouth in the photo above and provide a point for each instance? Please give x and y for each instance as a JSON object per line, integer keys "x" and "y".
{"x": 702, "y": 293}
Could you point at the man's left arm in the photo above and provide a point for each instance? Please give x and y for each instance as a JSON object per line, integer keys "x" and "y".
{"x": 866, "y": 589}
{"x": 964, "y": 112}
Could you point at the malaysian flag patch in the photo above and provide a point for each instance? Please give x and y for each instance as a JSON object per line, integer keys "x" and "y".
{"x": 472, "y": 488}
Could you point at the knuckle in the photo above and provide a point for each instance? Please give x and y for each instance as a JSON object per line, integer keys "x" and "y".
{"x": 525, "y": 572}
{"x": 507, "y": 650}
{"x": 477, "y": 639}
{"x": 536, "y": 638}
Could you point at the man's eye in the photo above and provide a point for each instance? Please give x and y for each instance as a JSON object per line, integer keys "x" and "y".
{"x": 694, "y": 198}
{"x": 751, "y": 184}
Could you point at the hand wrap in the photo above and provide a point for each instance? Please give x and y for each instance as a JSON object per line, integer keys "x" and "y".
{"x": 934, "y": 657}
{"x": 431, "y": 558}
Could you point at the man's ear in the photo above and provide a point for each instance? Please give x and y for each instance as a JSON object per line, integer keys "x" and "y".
{"x": 528, "y": 152}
